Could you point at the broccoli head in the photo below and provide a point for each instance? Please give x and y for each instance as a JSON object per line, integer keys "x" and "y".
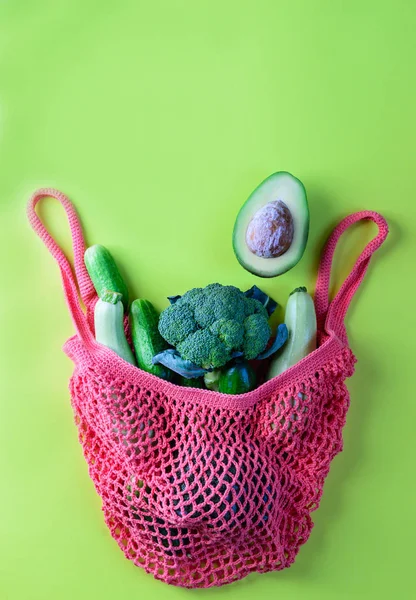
{"x": 176, "y": 322}
{"x": 219, "y": 302}
{"x": 208, "y": 326}
{"x": 254, "y": 307}
{"x": 256, "y": 330}
{"x": 230, "y": 332}
{"x": 204, "y": 349}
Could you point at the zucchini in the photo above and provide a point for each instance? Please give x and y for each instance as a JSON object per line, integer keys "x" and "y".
{"x": 300, "y": 319}
{"x": 238, "y": 379}
{"x": 104, "y": 273}
{"x": 109, "y": 325}
{"x": 146, "y": 338}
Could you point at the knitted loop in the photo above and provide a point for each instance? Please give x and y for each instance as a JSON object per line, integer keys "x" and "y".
{"x": 70, "y": 283}
{"x": 330, "y": 316}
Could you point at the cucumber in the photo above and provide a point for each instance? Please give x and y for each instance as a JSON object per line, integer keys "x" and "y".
{"x": 238, "y": 379}
{"x": 146, "y": 338}
{"x": 109, "y": 325}
{"x": 104, "y": 273}
{"x": 300, "y": 319}
{"x": 196, "y": 382}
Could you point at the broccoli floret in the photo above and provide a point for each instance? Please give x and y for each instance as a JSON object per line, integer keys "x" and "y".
{"x": 207, "y": 325}
{"x": 219, "y": 302}
{"x": 257, "y": 333}
{"x": 204, "y": 349}
{"x": 254, "y": 307}
{"x": 192, "y": 298}
{"x": 230, "y": 332}
{"x": 176, "y": 322}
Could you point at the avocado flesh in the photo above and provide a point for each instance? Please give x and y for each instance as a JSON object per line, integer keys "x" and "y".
{"x": 284, "y": 187}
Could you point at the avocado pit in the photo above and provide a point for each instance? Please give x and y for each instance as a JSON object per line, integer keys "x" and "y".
{"x": 270, "y": 232}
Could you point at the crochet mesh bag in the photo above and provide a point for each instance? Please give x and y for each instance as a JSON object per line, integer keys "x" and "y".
{"x": 201, "y": 488}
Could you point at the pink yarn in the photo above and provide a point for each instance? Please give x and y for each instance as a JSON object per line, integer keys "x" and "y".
{"x": 201, "y": 488}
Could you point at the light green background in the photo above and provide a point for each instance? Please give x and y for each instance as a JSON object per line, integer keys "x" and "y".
{"x": 158, "y": 119}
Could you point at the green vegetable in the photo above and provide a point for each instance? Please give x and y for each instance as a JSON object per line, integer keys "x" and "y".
{"x": 196, "y": 382}
{"x": 109, "y": 325}
{"x": 269, "y": 304}
{"x": 146, "y": 338}
{"x": 238, "y": 379}
{"x": 104, "y": 272}
{"x": 211, "y": 379}
{"x": 280, "y": 339}
{"x": 209, "y": 326}
{"x": 300, "y": 319}
{"x": 271, "y": 229}
{"x": 173, "y": 360}
{"x": 204, "y": 349}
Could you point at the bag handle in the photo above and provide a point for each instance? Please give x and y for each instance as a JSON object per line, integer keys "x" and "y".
{"x": 330, "y": 316}
{"x": 73, "y": 285}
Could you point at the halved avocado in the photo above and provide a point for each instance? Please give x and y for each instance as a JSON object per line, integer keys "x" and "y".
{"x": 272, "y": 227}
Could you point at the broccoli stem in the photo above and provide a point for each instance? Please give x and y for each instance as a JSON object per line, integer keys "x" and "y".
{"x": 211, "y": 379}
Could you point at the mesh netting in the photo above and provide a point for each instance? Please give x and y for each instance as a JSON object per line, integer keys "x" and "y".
{"x": 202, "y": 494}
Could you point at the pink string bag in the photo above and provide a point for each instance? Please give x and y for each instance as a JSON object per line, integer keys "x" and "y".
{"x": 201, "y": 488}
